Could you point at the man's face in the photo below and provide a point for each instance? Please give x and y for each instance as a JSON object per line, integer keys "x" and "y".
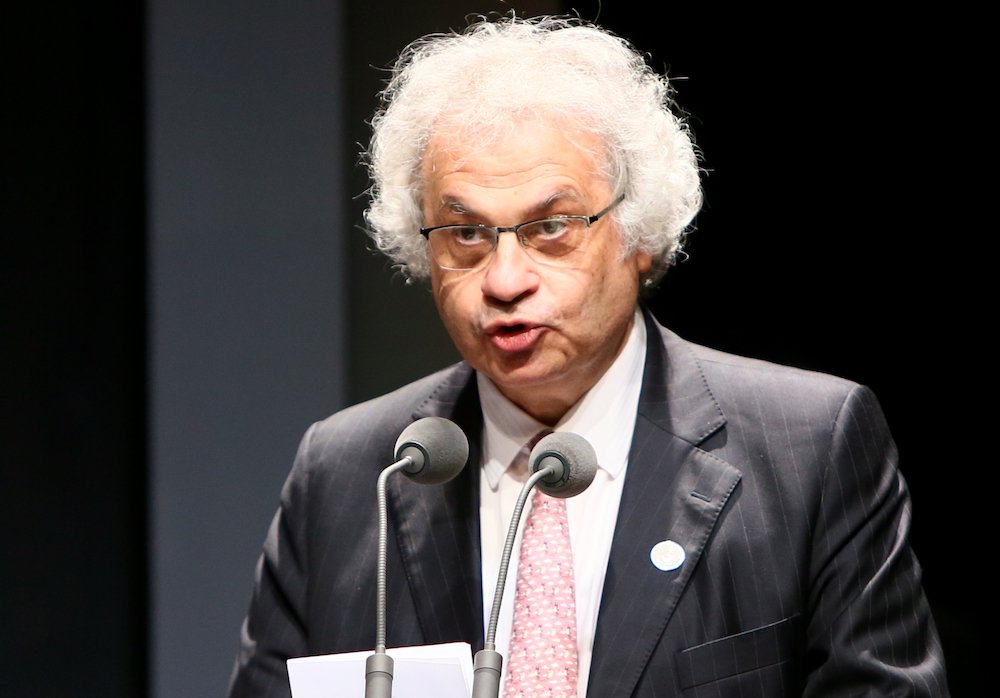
{"x": 543, "y": 334}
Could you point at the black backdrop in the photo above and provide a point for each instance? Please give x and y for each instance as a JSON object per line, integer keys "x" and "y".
{"x": 833, "y": 216}
{"x": 73, "y": 477}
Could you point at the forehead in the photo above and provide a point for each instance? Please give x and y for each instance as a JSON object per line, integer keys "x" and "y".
{"x": 526, "y": 158}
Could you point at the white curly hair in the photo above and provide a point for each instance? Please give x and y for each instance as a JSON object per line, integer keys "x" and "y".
{"x": 558, "y": 69}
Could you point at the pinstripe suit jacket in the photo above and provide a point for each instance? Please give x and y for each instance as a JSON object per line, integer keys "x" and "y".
{"x": 781, "y": 486}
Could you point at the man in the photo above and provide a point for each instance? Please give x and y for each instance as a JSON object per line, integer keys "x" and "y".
{"x": 746, "y": 533}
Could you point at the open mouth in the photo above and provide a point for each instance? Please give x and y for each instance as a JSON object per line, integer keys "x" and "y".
{"x": 510, "y": 329}
{"x": 514, "y": 337}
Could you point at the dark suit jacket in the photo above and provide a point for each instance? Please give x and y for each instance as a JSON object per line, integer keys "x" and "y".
{"x": 781, "y": 486}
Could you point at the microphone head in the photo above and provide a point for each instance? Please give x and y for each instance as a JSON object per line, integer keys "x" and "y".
{"x": 437, "y": 448}
{"x": 573, "y": 459}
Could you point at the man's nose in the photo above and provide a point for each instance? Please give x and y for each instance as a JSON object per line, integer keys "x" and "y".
{"x": 511, "y": 273}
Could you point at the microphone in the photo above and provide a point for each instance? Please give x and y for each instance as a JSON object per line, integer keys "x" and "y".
{"x": 563, "y": 465}
{"x": 430, "y": 451}
{"x": 437, "y": 450}
{"x": 569, "y": 462}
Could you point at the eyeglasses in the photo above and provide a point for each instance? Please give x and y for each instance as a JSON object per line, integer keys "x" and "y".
{"x": 555, "y": 241}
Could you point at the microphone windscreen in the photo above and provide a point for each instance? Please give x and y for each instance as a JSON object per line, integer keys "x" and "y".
{"x": 576, "y": 457}
{"x": 437, "y": 447}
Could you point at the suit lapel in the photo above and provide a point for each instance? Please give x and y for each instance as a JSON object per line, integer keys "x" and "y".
{"x": 437, "y": 527}
{"x": 673, "y": 491}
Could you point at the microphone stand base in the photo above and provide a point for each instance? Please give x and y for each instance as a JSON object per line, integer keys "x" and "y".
{"x": 486, "y": 674}
{"x": 378, "y": 676}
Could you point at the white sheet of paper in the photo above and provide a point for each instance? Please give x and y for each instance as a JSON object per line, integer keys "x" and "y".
{"x": 442, "y": 671}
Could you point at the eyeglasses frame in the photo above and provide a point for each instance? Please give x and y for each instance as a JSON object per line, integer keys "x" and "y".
{"x": 498, "y": 229}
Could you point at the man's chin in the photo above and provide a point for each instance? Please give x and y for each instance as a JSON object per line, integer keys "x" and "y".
{"x": 525, "y": 377}
{"x": 522, "y": 368}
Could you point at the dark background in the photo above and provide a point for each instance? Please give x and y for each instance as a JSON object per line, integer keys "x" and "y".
{"x": 836, "y": 235}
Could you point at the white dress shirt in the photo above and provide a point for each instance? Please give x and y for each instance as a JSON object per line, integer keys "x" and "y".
{"x": 605, "y": 416}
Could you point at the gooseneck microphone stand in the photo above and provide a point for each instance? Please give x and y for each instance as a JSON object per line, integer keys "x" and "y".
{"x": 562, "y": 464}
{"x": 378, "y": 667}
{"x": 430, "y": 451}
{"x": 488, "y": 663}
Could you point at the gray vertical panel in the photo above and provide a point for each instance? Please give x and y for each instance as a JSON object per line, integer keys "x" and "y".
{"x": 246, "y": 200}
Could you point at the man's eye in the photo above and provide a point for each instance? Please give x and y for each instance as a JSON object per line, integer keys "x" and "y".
{"x": 551, "y": 228}
{"x": 469, "y": 235}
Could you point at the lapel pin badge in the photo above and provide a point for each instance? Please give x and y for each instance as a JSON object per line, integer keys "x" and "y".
{"x": 667, "y": 555}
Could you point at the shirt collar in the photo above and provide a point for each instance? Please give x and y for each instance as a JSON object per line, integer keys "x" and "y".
{"x": 506, "y": 427}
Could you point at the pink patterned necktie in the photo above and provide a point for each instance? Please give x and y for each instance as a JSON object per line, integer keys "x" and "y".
{"x": 543, "y": 652}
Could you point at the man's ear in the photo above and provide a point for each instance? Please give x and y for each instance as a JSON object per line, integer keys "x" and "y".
{"x": 643, "y": 261}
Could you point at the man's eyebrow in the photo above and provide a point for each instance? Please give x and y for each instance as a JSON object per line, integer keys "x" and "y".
{"x": 454, "y": 206}
{"x": 457, "y": 206}
{"x": 560, "y": 196}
